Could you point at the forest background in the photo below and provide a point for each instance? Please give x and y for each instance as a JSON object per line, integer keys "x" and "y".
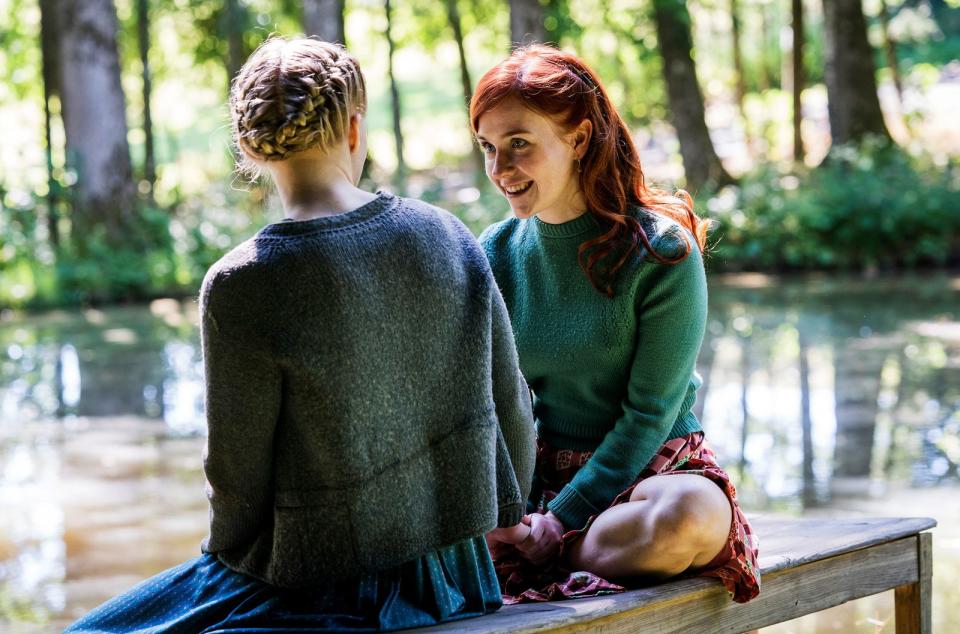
{"x": 817, "y": 135}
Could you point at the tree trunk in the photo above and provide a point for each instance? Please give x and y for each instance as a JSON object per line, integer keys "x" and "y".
{"x": 94, "y": 120}
{"x": 526, "y": 22}
{"x": 236, "y": 53}
{"x": 799, "y": 78}
{"x": 453, "y": 15}
{"x": 401, "y": 173}
{"x": 324, "y": 19}
{"x": 852, "y": 101}
{"x": 700, "y": 160}
{"x": 143, "y": 37}
{"x": 772, "y": 65}
{"x": 891, "y": 50}
{"x": 50, "y": 37}
{"x": 741, "y": 88}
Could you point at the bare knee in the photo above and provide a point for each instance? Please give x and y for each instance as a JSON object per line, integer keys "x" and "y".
{"x": 692, "y": 522}
{"x": 681, "y": 505}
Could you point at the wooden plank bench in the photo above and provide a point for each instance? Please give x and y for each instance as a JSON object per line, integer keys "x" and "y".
{"x": 807, "y": 566}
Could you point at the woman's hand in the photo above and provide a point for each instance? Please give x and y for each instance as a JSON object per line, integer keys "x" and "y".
{"x": 537, "y": 538}
{"x": 544, "y": 539}
{"x": 502, "y": 540}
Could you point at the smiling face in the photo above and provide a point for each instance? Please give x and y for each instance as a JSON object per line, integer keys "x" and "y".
{"x": 533, "y": 162}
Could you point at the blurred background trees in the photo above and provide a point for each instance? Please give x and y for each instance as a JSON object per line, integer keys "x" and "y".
{"x": 818, "y": 134}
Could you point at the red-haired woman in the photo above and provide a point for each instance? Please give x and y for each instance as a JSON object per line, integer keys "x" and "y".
{"x": 604, "y": 281}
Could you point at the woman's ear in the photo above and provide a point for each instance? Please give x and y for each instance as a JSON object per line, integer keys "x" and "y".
{"x": 580, "y": 138}
{"x": 353, "y": 134}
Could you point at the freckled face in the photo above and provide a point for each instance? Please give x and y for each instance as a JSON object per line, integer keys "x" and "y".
{"x": 531, "y": 161}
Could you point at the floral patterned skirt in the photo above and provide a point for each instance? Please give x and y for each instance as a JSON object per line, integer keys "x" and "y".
{"x": 735, "y": 565}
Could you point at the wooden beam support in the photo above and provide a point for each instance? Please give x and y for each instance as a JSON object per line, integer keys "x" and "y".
{"x": 913, "y": 600}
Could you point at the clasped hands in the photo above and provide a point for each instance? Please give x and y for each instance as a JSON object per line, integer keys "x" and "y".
{"x": 537, "y": 538}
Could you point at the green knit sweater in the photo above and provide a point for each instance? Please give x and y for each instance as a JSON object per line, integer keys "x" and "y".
{"x": 615, "y": 376}
{"x": 363, "y": 398}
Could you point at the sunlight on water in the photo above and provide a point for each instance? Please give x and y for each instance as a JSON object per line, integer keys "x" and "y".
{"x": 822, "y": 398}
{"x": 70, "y": 375}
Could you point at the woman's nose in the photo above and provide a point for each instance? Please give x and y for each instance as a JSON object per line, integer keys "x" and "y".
{"x": 501, "y": 164}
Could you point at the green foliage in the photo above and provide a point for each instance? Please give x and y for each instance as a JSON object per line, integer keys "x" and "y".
{"x": 94, "y": 270}
{"x": 925, "y": 35}
{"x": 170, "y": 254}
{"x": 19, "y": 50}
{"x": 861, "y": 210}
{"x": 867, "y": 209}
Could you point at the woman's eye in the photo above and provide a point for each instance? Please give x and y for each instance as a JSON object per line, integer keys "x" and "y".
{"x": 518, "y": 143}
{"x": 486, "y": 147}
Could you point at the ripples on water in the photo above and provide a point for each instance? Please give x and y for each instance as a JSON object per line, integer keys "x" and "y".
{"x": 822, "y": 397}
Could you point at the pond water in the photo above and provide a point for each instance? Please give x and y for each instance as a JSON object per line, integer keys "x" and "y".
{"x": 822, "y": 396}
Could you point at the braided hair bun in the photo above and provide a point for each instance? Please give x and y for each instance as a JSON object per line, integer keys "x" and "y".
{"x": 292, "y": 95}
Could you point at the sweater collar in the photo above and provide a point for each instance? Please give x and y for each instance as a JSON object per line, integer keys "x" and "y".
{"x": 360, "y": 215}
{"x": 579, "y": 225}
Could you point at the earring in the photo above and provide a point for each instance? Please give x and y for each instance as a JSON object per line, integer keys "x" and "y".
{"x": 579, "y": 166}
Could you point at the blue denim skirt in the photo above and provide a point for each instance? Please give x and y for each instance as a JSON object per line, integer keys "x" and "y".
{"x": 204, "y": 596}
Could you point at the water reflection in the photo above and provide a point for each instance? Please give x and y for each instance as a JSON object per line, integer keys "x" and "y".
{"x": 127, "y": 361}
{"x": 821, "y": 396}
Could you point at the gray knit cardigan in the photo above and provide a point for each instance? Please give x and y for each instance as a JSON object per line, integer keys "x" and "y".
{"x": 364, "y": 403}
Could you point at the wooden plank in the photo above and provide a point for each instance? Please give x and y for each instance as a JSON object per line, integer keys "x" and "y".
{"x": 913, "y": 601}
{"x": 788, "y": 542}
{"x": 701, "y": 605}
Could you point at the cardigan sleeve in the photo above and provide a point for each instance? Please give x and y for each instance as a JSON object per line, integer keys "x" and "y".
{"x": 671, "y": 316}
{"x": 243, "y": 386}
{"x": 516, "y": 439}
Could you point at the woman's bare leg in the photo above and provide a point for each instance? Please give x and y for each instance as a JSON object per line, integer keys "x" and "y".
{"x": 670, "y": 524}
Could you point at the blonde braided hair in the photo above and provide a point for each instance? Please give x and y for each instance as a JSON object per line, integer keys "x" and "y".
{"x": 292, "y": 95}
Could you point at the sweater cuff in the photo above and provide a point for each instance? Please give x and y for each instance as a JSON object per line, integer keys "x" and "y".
{"x": 510, "y": 515}
{"x": 572, "y": 508}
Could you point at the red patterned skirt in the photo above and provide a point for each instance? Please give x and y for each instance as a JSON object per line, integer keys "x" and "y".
{"x": 735, "y": 566}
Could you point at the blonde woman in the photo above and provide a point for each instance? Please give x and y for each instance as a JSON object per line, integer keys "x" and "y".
{"x": 367, "y": 419}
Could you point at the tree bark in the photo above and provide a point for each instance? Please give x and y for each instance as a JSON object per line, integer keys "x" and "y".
{"x": 236, "y": 53}
{"x": 143, "y": 37}
{"x": 770, "y": 32}
{"x": 526, "y": 22}
{"x": 50, "y": 37}
{"x": 94, "y": 120}
{"x": 852, "y": 101}
{"x": 741, "y": 88}
{"x": 890, "y": 49}
{"x": 401, "y": 173}
{"x": 799, "y": 78}
{"x": 453, "y": 15}
{"x": 700, "y": 160}
{"x": 324, "y": 19}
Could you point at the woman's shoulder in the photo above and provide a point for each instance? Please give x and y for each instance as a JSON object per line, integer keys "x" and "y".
{"x": 242, "y": 267}
{"x": 428, "y": 217}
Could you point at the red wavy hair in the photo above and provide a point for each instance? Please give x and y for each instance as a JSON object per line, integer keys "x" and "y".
{"x": 562, "y": 87}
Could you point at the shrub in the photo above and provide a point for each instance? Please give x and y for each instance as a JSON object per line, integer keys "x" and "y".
{"x": 873, "y": 208}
